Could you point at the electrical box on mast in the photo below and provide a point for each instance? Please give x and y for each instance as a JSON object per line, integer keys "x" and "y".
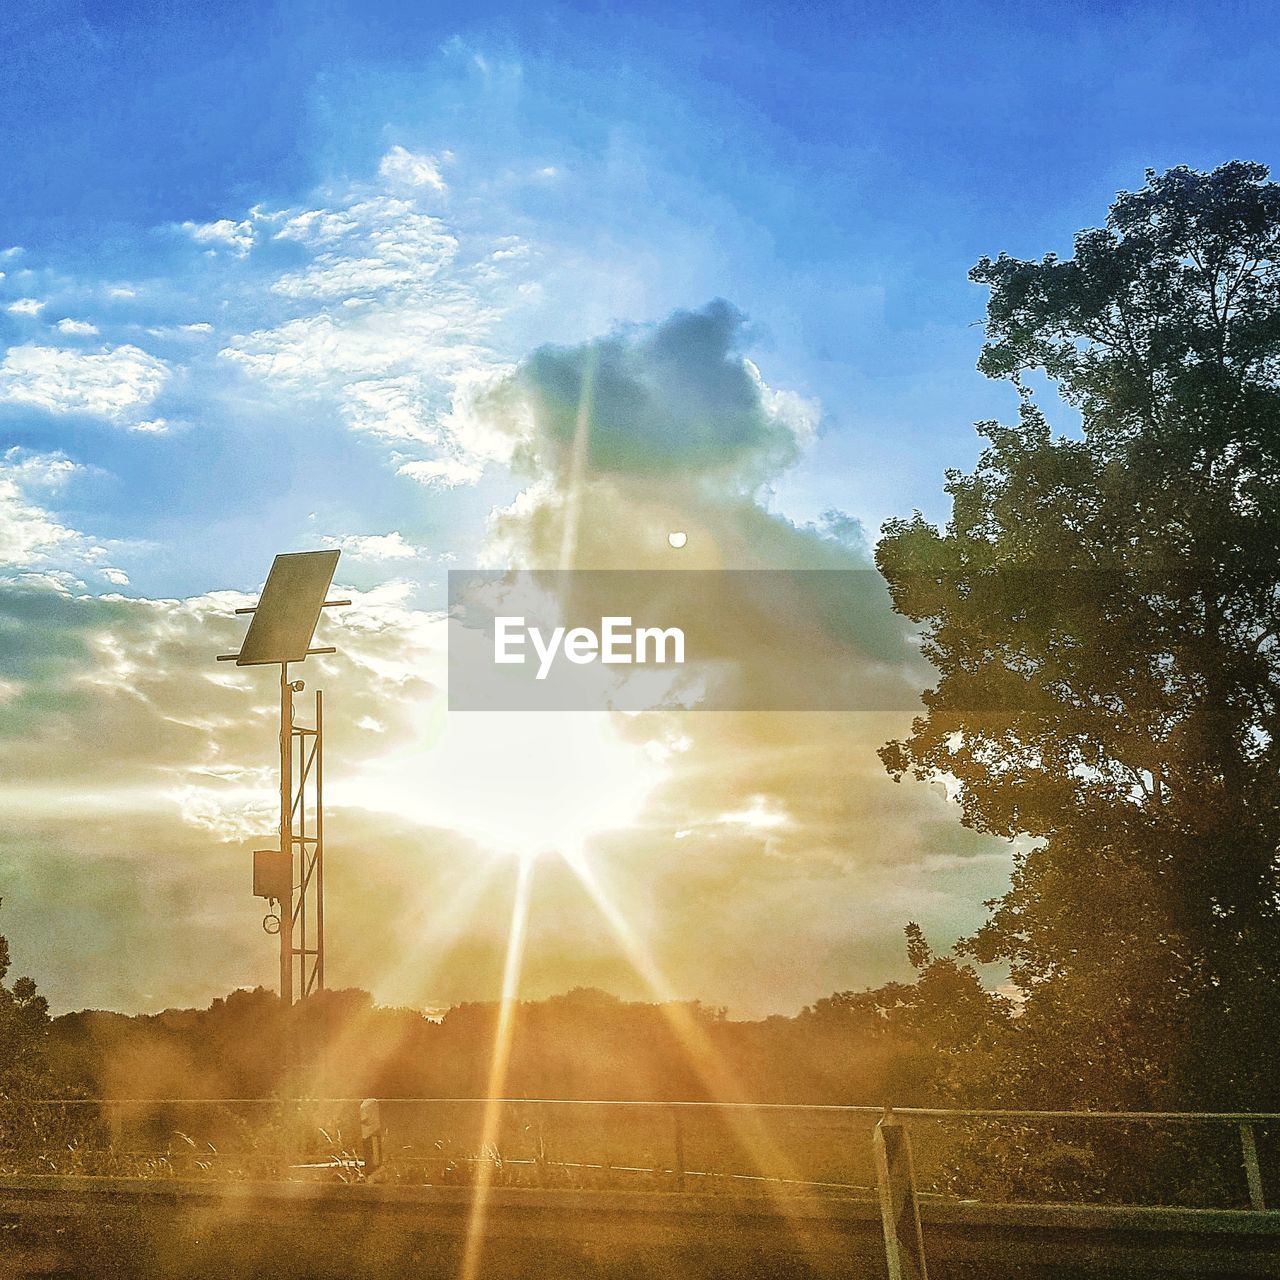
{"x": 272, "y": 874}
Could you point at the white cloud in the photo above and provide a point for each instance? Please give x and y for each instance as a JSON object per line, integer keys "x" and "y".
{"x": 443, "y": 473}
{"x": 224, "y": 233}
{"x": 77, "y": 328}
{"x": 510, "y": 247}
{"x": 117, "y": 577}
{"x": 391, "y": 408}
{"x": 25, "y": 307}
{"x": 29, "y": 534}
{"x": 110, "y": 383}
{"x": 350, "y": 277}
{"x": 374, "y": 247}
{"x": 318, "y": 226}
{"x": 341, "y": 351}
{"x": 156, "y": 426}
{"x": 415, "y": 169}
{"x": 179, "y": 330}
{"x": 389, "y": 316}
{"x": 800, "y": 414}
{"x": 375, "y": 546}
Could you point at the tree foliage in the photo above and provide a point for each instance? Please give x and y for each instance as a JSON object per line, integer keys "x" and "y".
{"x": 24, "y": 1025}
{"x": 1103, "y": 610}
{"x": 892, "y": 1044}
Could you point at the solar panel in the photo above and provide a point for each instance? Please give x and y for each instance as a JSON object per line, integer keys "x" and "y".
{"x": 286, "y": 616}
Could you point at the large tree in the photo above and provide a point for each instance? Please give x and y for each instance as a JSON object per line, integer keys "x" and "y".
{"x": 1103, "y": 609}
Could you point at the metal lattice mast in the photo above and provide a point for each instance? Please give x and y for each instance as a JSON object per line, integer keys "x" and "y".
{"x": 292, "y": 875}
{"x": 308, "y": 840}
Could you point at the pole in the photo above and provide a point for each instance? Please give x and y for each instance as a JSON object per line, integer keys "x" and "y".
{"x": 371, "y": 1138}
{"x": 895, "y": 1178}
{"x": 1252, "y": 1170}
{"x": 319, "y": 854}
{"x": 678, "y": 1135}
{"x": 286, "y": 833}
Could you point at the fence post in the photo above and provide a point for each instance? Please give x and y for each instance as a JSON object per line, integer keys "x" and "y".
{"x": 540, "y": 1160}
{"x": 371, "y": 1138}
{"x": 895, "y": 1180}
{"x": 1252, "y": 1170}
{"x": 679, "y": 1144}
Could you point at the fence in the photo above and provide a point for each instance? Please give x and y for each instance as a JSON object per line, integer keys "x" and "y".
{"x": 1194, "y": 1160}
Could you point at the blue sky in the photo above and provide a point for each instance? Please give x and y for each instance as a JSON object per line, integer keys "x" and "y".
{"x": 272, "y": 275}
{"x": 831, "y": 170}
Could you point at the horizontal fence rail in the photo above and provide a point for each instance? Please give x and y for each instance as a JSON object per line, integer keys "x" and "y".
{"x": 1184, "y": 1159}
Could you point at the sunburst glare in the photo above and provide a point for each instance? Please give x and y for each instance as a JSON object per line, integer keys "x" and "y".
{"x": 498, "y": 1069}
{"x": 519, "y": 783}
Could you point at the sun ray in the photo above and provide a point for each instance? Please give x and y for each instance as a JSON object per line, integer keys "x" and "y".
{"x": 578, "y": 463}
{"x": 761, "y": 1148}
{"x": 354, "y": 1042}
{"x": 498, "y": 1070}
{"x": 439, "y": 925}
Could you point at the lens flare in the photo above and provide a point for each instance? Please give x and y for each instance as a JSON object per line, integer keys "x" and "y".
{"x": 498, "y": 1070}
{"x": 749, "y": 1128}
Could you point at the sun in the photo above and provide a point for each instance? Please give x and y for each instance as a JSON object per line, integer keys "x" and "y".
{"x": 520, "y": 783}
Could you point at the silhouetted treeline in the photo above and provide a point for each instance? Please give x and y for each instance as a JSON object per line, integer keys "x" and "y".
{"x": 891, "y": 1044}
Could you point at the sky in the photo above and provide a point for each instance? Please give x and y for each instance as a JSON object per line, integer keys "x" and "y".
{"x": 283, "y": 276}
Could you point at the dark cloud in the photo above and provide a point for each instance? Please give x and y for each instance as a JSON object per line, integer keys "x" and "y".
{"x": 674, "y": 398}
{"x": 46, "y": 633}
